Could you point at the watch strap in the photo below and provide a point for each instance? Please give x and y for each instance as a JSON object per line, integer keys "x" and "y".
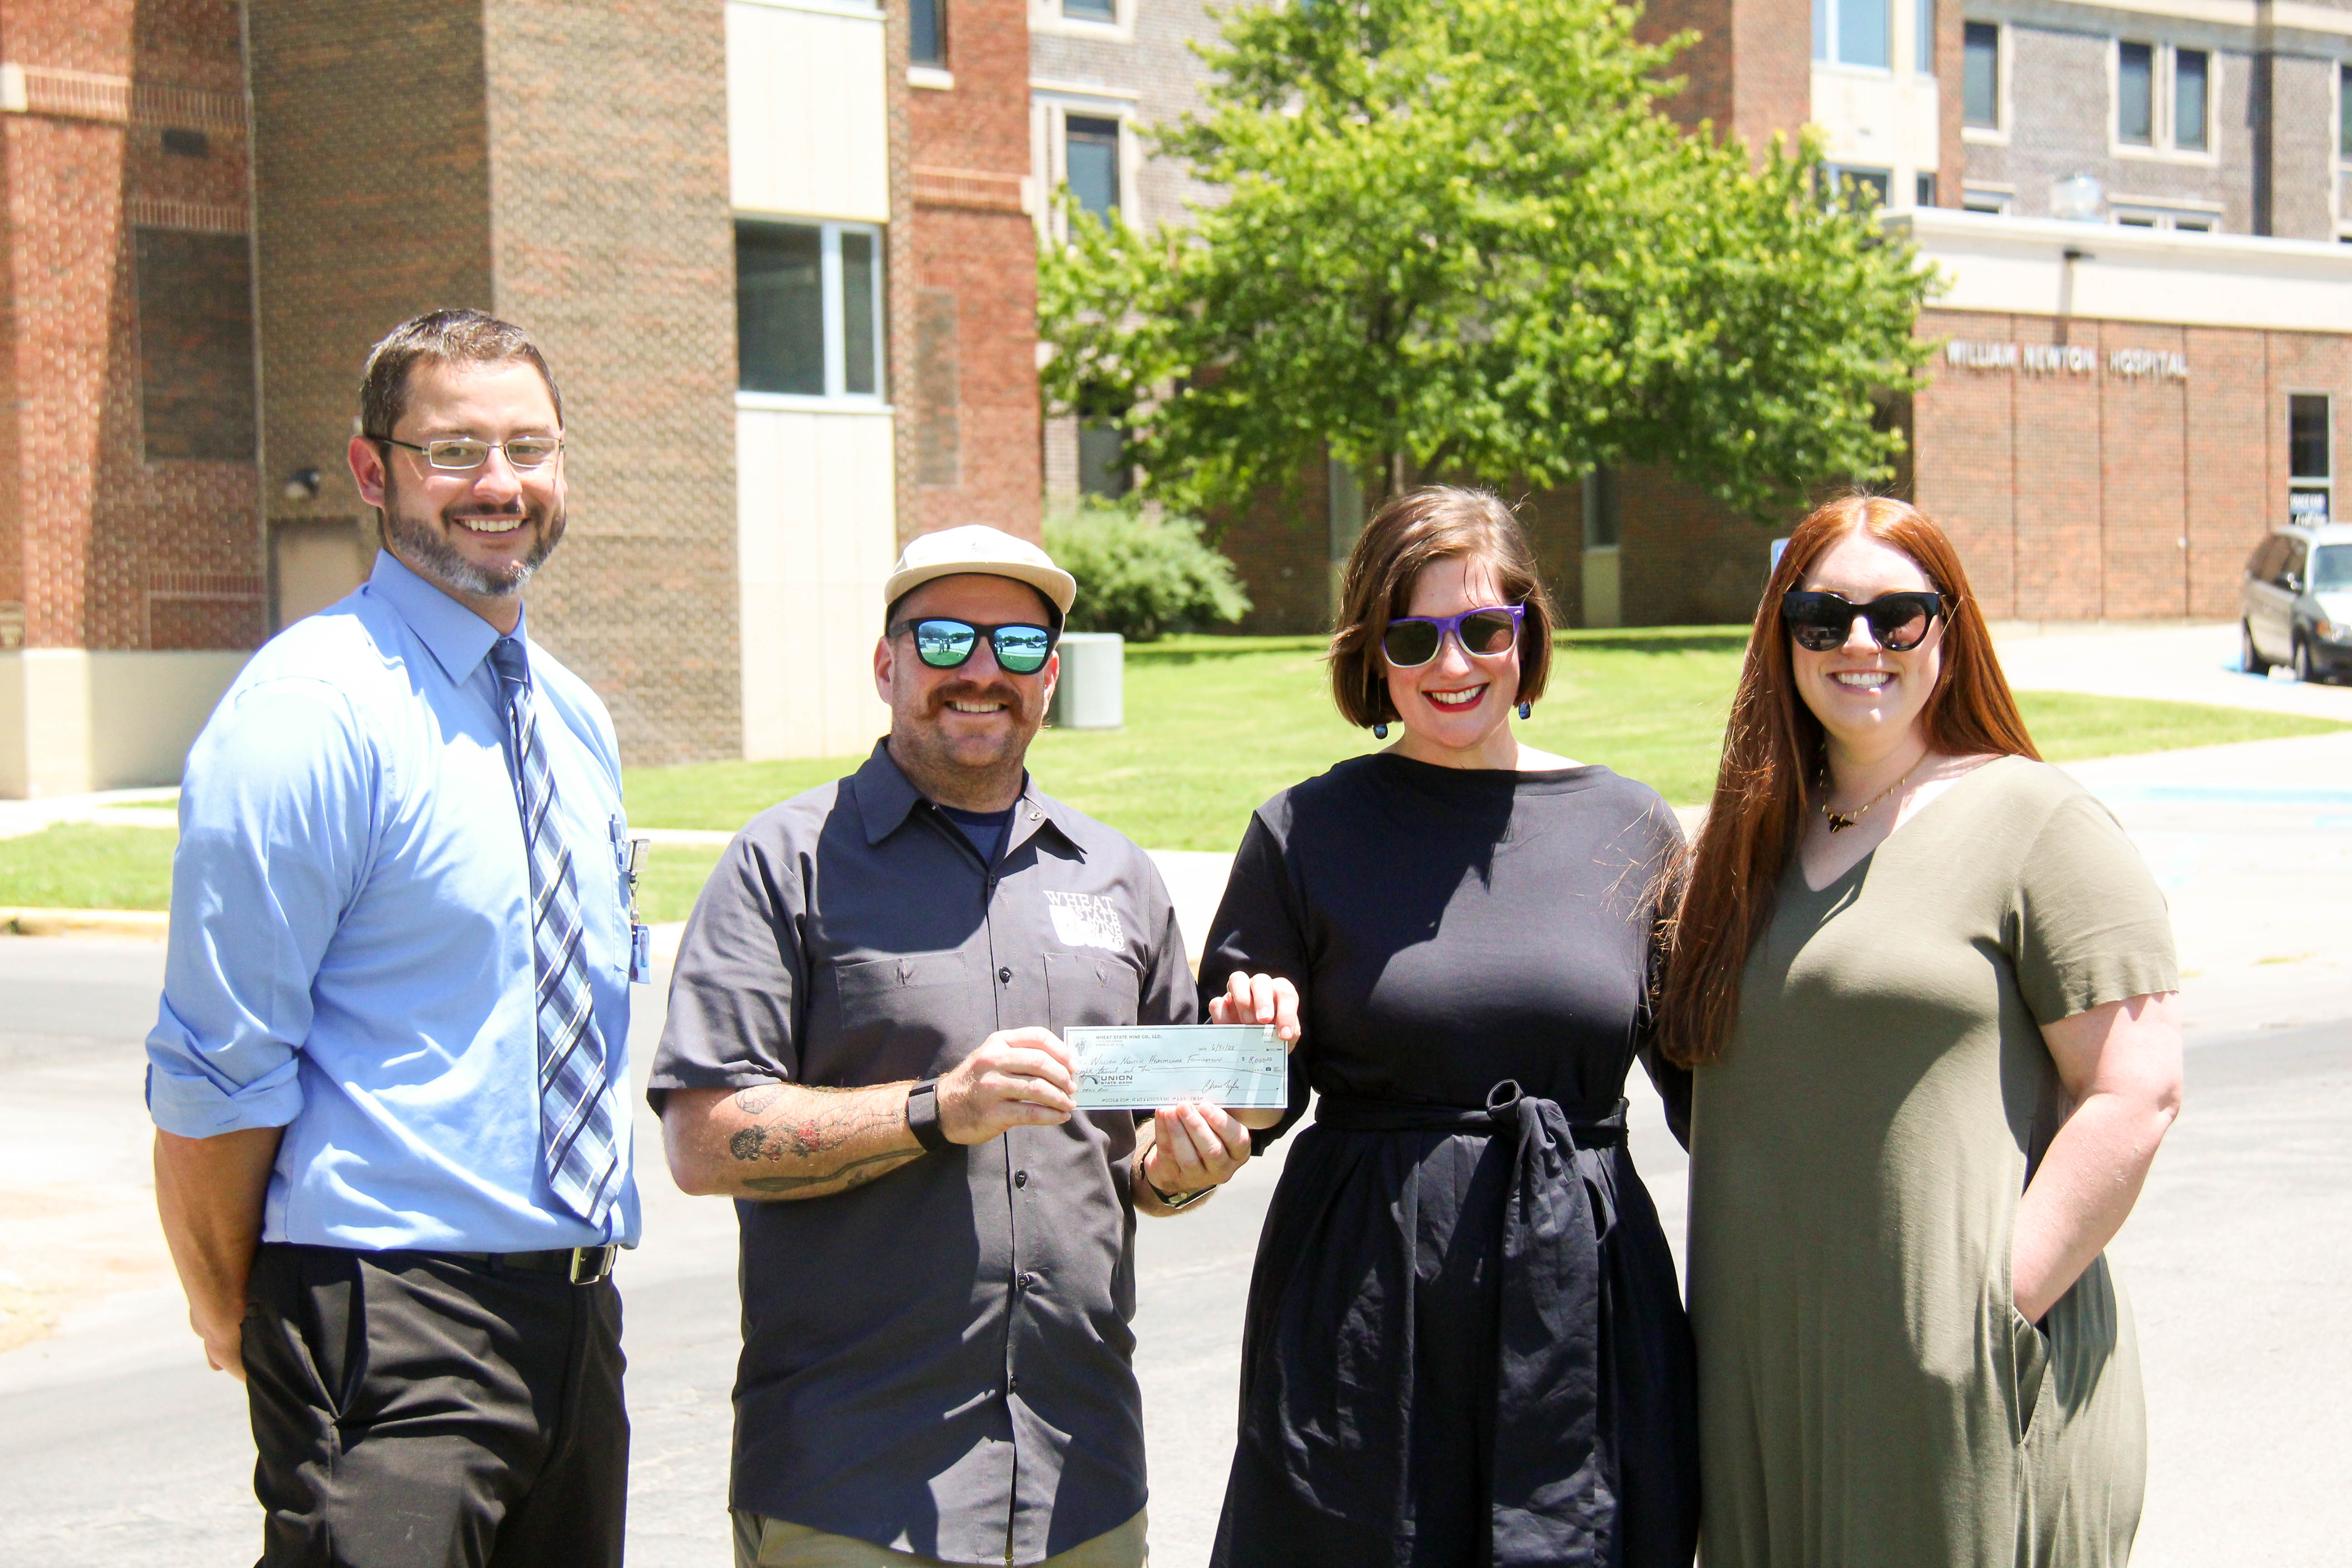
{"x": 1171, "y": 1204}
{"x": 923, "y": 1116}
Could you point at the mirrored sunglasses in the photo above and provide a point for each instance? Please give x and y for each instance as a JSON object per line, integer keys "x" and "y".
{"x": 944, "y": 644}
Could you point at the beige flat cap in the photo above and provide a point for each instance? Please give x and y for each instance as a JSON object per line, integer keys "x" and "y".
{"x": 976, "y": 547}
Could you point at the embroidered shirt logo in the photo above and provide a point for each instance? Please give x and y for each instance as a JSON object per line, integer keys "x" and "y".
{"x": 1086, "y": 920}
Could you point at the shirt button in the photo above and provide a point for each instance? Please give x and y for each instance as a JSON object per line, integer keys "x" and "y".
{"x": 1005, "y": 976}
{"x": 1020, "y": 1178}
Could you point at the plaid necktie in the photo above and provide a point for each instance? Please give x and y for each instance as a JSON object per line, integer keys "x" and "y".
{"x": 576, "y": 1135}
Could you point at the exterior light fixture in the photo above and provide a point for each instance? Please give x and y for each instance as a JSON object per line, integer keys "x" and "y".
{"x": 302, "y": 484}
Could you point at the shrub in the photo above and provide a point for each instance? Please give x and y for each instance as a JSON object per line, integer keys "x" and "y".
{"x": 1142, "y": 579}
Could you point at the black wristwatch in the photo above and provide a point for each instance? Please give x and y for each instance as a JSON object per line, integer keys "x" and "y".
{"x": 1181, "y": 1200}
{"x": 923, "y": 1116}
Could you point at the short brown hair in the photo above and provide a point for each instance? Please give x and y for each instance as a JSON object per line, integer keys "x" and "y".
{"x": 441, "y": 337}
{"x": 1412, "y": 531}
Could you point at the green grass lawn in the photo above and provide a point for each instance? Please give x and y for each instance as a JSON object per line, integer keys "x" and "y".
{"x": 76, "y": 867}
{"x": 1215, "y": 725}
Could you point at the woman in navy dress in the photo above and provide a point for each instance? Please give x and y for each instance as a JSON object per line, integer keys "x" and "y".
{"x": 1466, "y": 1344}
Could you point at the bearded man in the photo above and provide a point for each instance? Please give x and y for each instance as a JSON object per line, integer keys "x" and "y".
{"x": 864, "y": 1047}
{"x": 392, "y": 1154}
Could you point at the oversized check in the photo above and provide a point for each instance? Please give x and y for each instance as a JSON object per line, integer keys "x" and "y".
{"x": 1238, "y": 1066}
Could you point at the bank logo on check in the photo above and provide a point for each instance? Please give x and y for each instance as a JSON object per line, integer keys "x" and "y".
{"x": 1242, "y": 1066}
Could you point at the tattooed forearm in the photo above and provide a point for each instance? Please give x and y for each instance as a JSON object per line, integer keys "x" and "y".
{"x": 812, "y": 1140}
{"x": 854, "y": 1173}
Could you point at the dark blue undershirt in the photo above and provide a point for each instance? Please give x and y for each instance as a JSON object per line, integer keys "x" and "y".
{"x": 984, "y": 829}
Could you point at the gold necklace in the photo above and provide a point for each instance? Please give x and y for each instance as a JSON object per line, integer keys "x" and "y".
{"x": 1839, "y": 821}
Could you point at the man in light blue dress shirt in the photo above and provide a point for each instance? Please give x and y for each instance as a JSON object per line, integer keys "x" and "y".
{"x": 389, "y": 1075}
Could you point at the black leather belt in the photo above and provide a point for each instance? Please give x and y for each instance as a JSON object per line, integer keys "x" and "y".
{"x": 581, "y": 1265}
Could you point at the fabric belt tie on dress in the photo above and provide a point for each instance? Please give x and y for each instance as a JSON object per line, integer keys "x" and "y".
{"x": 1555, "y": 1487}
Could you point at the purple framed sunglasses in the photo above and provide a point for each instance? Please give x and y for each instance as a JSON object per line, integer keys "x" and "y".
{"x": 1411, "y": 641}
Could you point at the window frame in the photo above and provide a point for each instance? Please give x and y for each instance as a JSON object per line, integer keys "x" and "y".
{"x": 2323, "y": 483}
{"x": 1995, "y": 136}
{"x": 1052, "y": 106}
{"x": 1047, "y": 16}
{"x": 2172, "y": 214}
{"x": 833, "y": 304}
{"x": 940, "y": 26}
{"x": 1865, "y": 174}
{"x": 1829, "y": 35}
{"x": 2164, "y": 87}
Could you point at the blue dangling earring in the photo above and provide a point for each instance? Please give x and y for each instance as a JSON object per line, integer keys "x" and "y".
{"x": 1527, "y": 710}
{"x": 1379, "y": 732}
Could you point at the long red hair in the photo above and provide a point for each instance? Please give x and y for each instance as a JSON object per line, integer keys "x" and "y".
{"x": 1773, "y": 758}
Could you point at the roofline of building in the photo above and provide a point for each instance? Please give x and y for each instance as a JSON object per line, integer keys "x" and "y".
{"x": 2050, "y": 266}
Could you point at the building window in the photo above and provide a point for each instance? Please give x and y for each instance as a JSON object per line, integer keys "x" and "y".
{"x": 1089, "y": 10}
{"x": 2310, "y": 472}
{"x": 1925, "y": 193}
{"x": 2190, "y": 69}
{"x": 1980, "y": 199}
{"x": 2164, "y": 97}
{"x": 2344, "y": 112}
{"x": 196, "y": 345}
{"x": 1851, "y": 32}
{"x": 808, "y": 308}
{"x": 1860, "y": 190}
{"x": 1103, "y": 468}
{"x": 2136, "y": 94}
{"x": 927, "y": 32}
{"x": 1981, "y": 76}
{"x": 1922, "y": 39}
{"x": 1090, "y": 164}
{"x": 1604, "y": 517}
{"x": 2147, "y": 214}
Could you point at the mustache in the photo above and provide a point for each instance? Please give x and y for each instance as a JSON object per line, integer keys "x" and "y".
{"x": 978, "y": 691}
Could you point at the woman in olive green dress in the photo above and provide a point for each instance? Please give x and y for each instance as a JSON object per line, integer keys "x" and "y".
{"x": 1928, "y": 988}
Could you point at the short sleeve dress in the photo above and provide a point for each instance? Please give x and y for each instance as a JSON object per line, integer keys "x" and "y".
{"x": 1868, "y": 1393}
{"x": 1466, "y": 1343}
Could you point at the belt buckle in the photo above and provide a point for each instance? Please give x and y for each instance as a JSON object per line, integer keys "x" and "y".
{"x": 591, "y": 1264}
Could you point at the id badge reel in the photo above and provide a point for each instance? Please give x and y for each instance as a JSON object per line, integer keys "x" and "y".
{"x": 629, "y": 856}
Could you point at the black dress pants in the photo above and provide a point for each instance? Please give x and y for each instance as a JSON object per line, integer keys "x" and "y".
{"x": 414, "y": 1410}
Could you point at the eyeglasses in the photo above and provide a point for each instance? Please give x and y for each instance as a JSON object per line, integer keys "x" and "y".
{"x": 1822, "y": 622}
{"x": 462, "y": 454}
{"x": 1411, "y": 641}
{"x": 944, "y": 644}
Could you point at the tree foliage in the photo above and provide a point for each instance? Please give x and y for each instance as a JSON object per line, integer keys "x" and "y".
{"x": 1458, "y": 237}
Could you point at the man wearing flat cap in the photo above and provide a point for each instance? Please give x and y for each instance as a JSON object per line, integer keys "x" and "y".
{"x": 864, "y": 1049}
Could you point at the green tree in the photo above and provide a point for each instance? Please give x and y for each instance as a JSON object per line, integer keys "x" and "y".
{"x": 1457, "y": 237}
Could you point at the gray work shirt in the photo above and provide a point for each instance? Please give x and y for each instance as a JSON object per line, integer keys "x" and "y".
{"x": 938, "y": 1361}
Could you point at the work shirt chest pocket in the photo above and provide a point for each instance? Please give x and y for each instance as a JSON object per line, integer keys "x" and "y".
{"x": 912, "y": 1015}
{"x": 1084, "y": 988}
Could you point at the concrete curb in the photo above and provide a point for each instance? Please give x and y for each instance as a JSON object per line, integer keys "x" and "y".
{"x": 151, "y": 924}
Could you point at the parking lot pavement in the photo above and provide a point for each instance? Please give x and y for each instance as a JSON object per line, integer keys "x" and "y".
{"x": 2171, "y": 663}
{"x": 117, "y": 1446}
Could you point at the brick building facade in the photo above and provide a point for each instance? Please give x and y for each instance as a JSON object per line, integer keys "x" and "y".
{"x": 2212, "y": 145}
{"x": 972, "y": 371}
{"x": 215, "y": 208}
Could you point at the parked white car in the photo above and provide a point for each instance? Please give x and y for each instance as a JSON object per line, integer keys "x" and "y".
{"x": 2297, "y": 603}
